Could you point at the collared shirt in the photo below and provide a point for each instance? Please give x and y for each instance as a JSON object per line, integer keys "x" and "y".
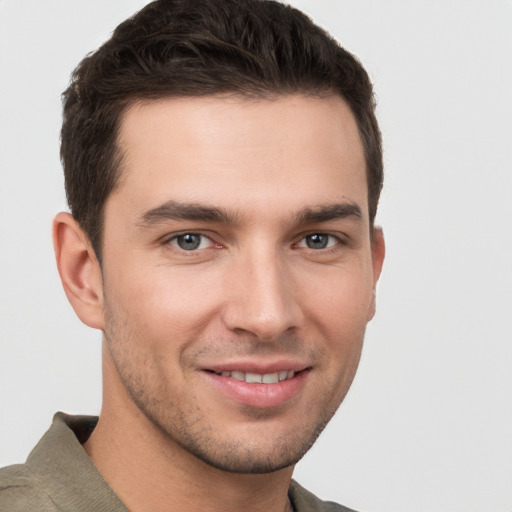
{"x": 59, "y": 476}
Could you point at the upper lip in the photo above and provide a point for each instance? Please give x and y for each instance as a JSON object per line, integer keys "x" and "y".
{"x": 258, "y": 367}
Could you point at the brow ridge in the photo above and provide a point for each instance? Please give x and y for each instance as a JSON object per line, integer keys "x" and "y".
{"x": 327, "y": 212}
{"x": 173, "y": 210}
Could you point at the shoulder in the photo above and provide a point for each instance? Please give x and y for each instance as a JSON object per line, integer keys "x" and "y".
{"x": 305, "y": 501}
{"x": 20, "y": 491}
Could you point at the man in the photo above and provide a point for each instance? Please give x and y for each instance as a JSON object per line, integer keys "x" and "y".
{"x": 223, "y": 167}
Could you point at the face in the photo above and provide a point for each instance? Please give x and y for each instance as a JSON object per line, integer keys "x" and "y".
{"x": 238, "y": 272}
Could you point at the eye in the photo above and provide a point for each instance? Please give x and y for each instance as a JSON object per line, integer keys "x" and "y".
{"x": 318, "y": 241}
{"x": 191, "y": 241}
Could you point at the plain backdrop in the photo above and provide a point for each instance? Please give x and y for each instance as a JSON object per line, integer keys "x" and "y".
{"x": 427, "y": 425}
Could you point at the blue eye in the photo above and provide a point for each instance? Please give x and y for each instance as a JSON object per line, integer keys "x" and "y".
{"x": 318, "y": 241}
{"x": 191, "y": 241}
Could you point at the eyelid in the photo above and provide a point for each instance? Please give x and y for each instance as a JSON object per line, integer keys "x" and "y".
{"x": 337, "y": 237}
{"x": 168, "y": 239}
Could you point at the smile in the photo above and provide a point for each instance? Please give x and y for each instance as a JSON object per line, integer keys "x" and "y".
{"x": 257, "y": 378}
{"x": 260, "y": 388}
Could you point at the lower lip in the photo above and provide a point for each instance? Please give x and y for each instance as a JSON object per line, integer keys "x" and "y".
{"x": 256, "y": 395}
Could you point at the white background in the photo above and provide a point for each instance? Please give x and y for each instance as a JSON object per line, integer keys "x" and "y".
{"x": 427, "y": 425}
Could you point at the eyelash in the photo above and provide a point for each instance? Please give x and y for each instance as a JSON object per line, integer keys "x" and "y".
{"x": 201, "y": 236}
{"x": 330, "y": 238}
{"x": 333, "y": 240}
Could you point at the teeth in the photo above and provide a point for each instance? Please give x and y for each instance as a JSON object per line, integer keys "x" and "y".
{"x": 237, "y": 375}
{"x": 270, "y": 378}
{"x": 256, "y": 378}
{"x": 253, "y": 377}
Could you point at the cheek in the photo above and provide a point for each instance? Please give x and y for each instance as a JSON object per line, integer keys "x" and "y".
{"x": 341, "y": 316}
{"x": 166, "y": 302}
{"x": 339, "y": 300}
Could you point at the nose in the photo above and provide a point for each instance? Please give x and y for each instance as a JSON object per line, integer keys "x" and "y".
{"x": 262, "y": 299}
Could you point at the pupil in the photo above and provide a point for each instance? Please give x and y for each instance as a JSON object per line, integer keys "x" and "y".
{"x": 189, "y": 242}
{"x": 317, "y": 241}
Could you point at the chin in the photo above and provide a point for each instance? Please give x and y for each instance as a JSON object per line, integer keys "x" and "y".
{"x": 254, "y": 450}
{"x": 238, "y": 459}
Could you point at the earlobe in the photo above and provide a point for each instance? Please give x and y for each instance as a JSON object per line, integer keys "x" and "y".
{"x": 378, "y": 253}
{"x": 79, "y": 270}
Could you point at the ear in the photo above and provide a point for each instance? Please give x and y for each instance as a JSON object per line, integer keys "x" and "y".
{"x": 378, "y": 253}
{"x": 79, "y": 270}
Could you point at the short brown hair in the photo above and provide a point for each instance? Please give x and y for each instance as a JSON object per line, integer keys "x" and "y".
{"x": 196, "y": 48}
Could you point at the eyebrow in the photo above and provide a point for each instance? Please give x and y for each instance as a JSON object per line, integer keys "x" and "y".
{"x": 325, "y": 213}
{"x": 172, "y": 210}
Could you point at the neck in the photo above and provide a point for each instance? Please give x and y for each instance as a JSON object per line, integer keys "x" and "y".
{"x": 150, "y": 472}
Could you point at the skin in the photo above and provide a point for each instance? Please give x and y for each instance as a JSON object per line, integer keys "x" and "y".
{"x": 274, "y": 193}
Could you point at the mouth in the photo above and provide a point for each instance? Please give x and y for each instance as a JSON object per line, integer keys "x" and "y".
{"x": 258, "y": 378}
{"x": 259, "y": 388}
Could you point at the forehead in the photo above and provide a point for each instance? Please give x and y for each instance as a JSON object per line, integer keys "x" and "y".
{"x": 241, "y": 152}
